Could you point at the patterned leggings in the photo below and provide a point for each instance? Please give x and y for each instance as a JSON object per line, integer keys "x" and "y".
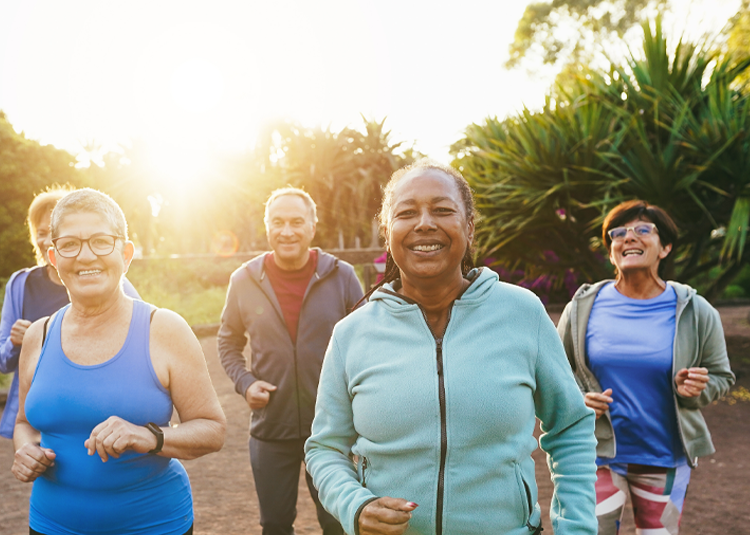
{"x": 657, "y": 495}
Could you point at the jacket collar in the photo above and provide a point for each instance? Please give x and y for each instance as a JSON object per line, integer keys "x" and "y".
{"x": 326, "y": 264}
{"x": 588, "y": 291}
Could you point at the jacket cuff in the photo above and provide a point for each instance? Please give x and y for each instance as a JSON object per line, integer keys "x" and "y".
{"x": 359, "y": 512}
{"x": 244, "y": 383}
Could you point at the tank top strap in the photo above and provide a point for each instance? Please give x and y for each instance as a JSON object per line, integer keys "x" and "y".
{"x": 53, "y": 336}
{"x": 140, "y": 326}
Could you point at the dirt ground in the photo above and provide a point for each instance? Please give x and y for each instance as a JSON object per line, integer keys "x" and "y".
{"x": 224, "y": 495}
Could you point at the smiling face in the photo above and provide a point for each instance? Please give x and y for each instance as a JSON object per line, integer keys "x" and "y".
{"x": 290, "y": 228}
{"x": 638, "y": 252}
{"x": 89, "y": 277}
{"x": 427, "y": 229}
{"x": 44, "y": 235}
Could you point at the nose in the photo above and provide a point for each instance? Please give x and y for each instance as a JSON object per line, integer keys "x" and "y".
{"x": 86, "y": 252}
{"x": 286, "y": 230}
{"x": 425, "y": 222}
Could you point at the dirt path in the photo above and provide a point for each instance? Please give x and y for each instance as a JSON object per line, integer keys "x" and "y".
{"x": 225, "y": 501}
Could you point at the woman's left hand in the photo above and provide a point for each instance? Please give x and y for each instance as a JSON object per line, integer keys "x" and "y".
{"x": 114, "y": 436}
{"x": 691, "y": 382}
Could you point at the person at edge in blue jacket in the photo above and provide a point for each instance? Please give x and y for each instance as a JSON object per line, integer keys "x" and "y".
{"x": 428, "y": 395}
{"x": 30, "y": 294}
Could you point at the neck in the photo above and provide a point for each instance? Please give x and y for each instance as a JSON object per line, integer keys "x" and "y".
{"x": 640, "y": 284}
{"x": 52, "y": 274}
{"x": 435, "y": 298}
{"x": 99, "y": 311}
{"x": 292, "y": 265}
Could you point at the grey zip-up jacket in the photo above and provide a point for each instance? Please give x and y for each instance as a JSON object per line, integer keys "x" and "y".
{"x": 251, "y": 307}
{"x": 698, "y": 342}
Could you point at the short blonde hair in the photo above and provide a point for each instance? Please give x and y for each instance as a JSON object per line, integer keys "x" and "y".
{"x": 43, "y": 204}
{"x": 89, "y": 201}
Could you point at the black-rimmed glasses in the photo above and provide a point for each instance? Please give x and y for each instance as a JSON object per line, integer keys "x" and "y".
{"x": 100, "y": 245}
{"x": 641, "y": 229}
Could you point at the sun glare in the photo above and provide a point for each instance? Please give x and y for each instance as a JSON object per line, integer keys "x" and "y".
{"x": 197, "y": 85}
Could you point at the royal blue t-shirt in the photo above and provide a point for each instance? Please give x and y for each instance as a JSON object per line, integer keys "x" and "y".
{"x": 629, "y": 348}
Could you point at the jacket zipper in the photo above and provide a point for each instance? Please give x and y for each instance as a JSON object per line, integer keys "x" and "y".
{"x": 443, "y": 437}
{"x": 364, "y": 469}
{"x": 443, "y": 422}
{"x": 316, "y": 278}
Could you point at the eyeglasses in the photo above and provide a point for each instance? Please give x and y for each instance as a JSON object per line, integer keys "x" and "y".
{"x": 641, "y": 229}
{"x": 100, "y": 245}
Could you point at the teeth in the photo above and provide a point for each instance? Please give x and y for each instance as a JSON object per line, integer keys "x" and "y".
{"x": 632, "y": 251}
{"x": 427, "y": 248}
{"x": 90, "y": 272}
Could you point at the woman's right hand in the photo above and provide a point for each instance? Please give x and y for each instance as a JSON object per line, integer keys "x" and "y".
{"x": 18, "y": 330}
{"x": 598, "y": 402}
{"x": 30, "y": 461}
{"x": 385, "y": 516}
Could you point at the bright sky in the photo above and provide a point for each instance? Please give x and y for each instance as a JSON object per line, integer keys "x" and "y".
{"x": 193, "y": 77}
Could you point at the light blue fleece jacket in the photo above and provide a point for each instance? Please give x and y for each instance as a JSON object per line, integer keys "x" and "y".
{"x": 448, "y": 423}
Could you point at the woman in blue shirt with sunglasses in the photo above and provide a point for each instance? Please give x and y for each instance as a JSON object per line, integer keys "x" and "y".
{"x": 648, "y": 355}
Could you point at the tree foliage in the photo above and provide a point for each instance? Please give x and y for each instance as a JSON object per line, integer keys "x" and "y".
{"x": 540, "y": 26}
{"x": 671, "y": 130}
{"x": 26, "y": 168}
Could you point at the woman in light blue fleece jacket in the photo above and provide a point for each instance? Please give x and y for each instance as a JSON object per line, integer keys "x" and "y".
{"x": 425, "y": 412}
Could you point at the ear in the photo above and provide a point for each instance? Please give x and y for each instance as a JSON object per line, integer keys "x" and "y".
{"x": 52, "y": 257}
{"x": 314, "y": 228}
{"x": 665, "y": 251}
{"x": 471, "y": 228}
{"x": 128, "y": 251}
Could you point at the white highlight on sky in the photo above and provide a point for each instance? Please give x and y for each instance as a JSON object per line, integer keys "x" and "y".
{"x": 193, "y": 78}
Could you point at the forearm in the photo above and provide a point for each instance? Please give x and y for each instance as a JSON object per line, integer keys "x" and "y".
{"x": 571, "y": 460}
{"x": 23, "y": 433}
{"x": 235, "y": 366}
{"x": 9, "y": 353}
{"x": 193, "y": 439}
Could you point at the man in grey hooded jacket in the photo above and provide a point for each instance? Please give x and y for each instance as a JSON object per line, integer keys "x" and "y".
{"x": 288, "y": 302}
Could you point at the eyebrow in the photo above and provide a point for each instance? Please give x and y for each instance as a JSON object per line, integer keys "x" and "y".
{"x": 434, "y": 200}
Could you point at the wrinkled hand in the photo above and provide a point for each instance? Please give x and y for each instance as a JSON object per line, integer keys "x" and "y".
{"x": 691, "y": 382}
{"x": 386, "y": 516}
{"x": 598, "y": 402}
{"x": 258, "y": 394}
{"x": 30, "y": 461}
{"x": 18, "y": 330}
{"x": 114, "y": 436}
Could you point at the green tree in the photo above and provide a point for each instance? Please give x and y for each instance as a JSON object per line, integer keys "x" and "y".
{"x": 668, "y": 129}
{"x": 542, "y": 25}
{"x": 26, "y": 168}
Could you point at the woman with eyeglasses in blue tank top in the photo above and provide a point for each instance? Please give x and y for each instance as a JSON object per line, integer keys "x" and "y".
{"x": 98, "y": 383}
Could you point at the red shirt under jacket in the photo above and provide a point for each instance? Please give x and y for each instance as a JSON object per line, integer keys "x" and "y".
{"x": 290, "y": 287}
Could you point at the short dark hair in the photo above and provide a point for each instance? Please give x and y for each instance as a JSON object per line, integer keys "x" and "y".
{"x": 637, "y": 209}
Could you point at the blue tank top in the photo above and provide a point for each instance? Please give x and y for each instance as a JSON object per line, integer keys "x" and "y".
{"x": 135, "y": 494}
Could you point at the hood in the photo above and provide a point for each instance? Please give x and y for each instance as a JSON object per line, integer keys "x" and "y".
{"x": 326, "y": 264}
{"x": 483, "y": 280}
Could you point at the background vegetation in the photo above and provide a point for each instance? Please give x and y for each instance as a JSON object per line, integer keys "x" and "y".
{"x": 669, "y": 128}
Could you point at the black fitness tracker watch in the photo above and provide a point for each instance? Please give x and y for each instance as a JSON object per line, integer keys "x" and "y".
{"x": 158, "y": 433}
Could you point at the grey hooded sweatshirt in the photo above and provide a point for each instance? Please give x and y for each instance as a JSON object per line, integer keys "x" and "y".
{"x": 698, "y": 342}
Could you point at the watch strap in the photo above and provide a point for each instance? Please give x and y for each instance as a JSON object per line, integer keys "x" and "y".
{"x": 158, "y": 433}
